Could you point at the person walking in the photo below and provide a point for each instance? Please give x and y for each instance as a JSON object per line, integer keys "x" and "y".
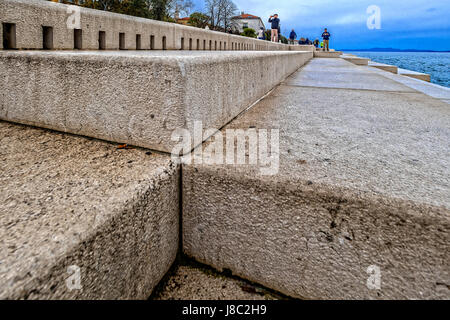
{"x": 262, "y": 34}
{"x": 274, "y": 27}
{"x": 292, "y": 37}
{"x": 326, "y": 40}
{"x": 316, "y": 43}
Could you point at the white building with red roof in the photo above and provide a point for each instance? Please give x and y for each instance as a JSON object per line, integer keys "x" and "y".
{"x": 245, "y": 20}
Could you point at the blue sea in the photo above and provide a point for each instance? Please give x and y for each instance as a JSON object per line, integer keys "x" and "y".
{"x": 437, "y": 64}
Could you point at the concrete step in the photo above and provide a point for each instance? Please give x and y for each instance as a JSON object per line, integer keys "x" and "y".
{"x": 415, "y": 75}
{"x": 75, "y": 206}
{"x": 361, "y": 190}
{"x": 303, "y": 47}
{"x": 338, "y": 73}
{"x": 430, "y": 89}
{"x": 356, "y": 60}
{"x": 137, "y": 97}
{"x": 327, "y": 54}
{"x": 385, "y": 67}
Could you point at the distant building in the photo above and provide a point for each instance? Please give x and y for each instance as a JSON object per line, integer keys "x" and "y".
{"x": 246, "y": 20}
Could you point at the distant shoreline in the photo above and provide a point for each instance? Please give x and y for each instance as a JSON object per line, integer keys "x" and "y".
{"x": 392, "y": 50}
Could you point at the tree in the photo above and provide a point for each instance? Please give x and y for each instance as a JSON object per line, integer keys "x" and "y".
{"x": 228, "y": 11}
{"x": 108, "y": 5}
{"x": 249, "y": 32}
{"x": 137, "y": 8}
{"x": 105, "y": 5}
{"x": 220, "y": 13}
{"x": 211, "y": 10}
{"x": 199, "y": 20}
{"x": 158, "y": 9}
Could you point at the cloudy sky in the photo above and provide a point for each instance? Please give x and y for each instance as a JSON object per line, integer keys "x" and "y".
{"x": 405, "y": 24}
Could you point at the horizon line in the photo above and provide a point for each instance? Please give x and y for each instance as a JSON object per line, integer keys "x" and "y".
{"x": 395, "y": 49}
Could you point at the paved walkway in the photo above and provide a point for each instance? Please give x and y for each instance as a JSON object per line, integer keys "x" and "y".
{"x": 364, "y": 180}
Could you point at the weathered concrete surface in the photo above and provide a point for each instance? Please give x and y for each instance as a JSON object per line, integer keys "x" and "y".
{"x": 30, "y": 15}
{"x": 136, "y": 97}
{"x": 414, "y": 74}
{"x": 334, "y": 73}
{"x": 194, "y": 282}
{"x": 327, "y": 54}
{"x": 364, "y": 181}
{"x": 68, "y": 200}
{"x": 385, "y": 67}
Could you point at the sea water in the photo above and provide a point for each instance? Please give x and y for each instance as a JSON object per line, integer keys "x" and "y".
{"x": 436, "y": 64}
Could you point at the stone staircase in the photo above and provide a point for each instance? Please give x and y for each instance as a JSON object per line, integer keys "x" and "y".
{"x": 99, "y": 209}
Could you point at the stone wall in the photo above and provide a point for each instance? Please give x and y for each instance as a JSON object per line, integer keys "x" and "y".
{"x": 32, "y": 21}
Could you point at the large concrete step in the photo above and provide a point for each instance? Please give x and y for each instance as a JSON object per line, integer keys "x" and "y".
{"x": 327, "y": 54}
{"x": 414, "y": 74}
{"x": 356, "y": 60}
{"x": 385, "y": 67}
{"x": 136, "y": 97}
{"x": 338, "y": 73}
{"x": 73, "y": 206}
{"x": 430, "y": 89}
{"x": 362, "y": 191}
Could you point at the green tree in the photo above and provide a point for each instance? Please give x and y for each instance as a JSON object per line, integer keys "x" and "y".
{"x": 158, "y": 9}
{"x": 106, "y": 5}
{"x": 249, "y": 32}
{"x": 137, "y": 8}
{"x": 199, "y": 20}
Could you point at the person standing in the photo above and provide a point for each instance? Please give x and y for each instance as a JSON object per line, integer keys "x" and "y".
{"x": 274, "y": 28}
{"x": 326, "y": 40}
{"x": 292, "y": 37}
{"x": 261, "y": 34}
